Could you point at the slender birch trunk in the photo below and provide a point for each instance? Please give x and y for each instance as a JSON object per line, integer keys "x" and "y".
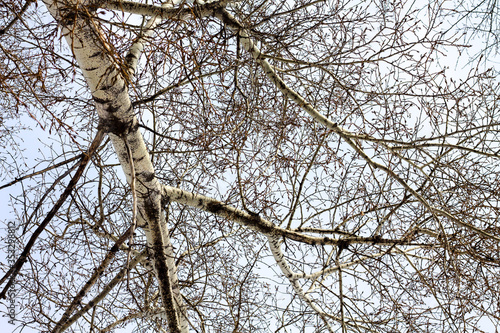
{"x": 107, "y": 82}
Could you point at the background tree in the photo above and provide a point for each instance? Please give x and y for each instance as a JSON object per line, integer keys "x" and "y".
{"x": 289, "y": 166}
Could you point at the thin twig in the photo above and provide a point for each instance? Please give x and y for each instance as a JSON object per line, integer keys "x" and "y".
{"x": 17, "y": 17}
{"x": 14, "y": 270}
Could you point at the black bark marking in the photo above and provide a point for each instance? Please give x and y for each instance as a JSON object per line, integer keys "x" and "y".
{"x": 68, "y": 17}
{"x": 130, "y": 56}
{"x": 96, "y": 54}
{"x": 342, "y": 244}
{"x": 148, "y": 176}
{"x": 116, "y": 126}
{"x": 152, "y": 213}
{"x": 112, "y": 109}
{"x": 214, "y": 207}
{"x": 101, "y": 100}
{"x": 138, "y": 159}
{"x": 165, "y": 200}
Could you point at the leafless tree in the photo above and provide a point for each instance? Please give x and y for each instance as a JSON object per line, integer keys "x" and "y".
{"x": 249, "y": 166}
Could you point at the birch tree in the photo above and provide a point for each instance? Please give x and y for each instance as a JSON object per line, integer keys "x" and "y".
{"x": 249, "y": 166}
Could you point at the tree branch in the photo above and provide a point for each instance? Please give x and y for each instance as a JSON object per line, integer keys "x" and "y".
{"x": 17, "y": 17}
{"x": 14, "y": 270}
{"x": 104, "y": 291}
{"x": 347, "y": 136}
{"x": 259, "y": 224}
{"x": 17, "y": 180}
{"x": 201, "y": 9}
{"x": 92, "y": 280}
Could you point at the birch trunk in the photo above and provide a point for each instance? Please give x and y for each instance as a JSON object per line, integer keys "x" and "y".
{"x": 108, "y": 85}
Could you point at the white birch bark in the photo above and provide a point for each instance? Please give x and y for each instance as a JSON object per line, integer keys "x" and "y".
{"x": 108, "y": 85}
{"x": 262, "y": 225}
{"x": 279, "y": 257}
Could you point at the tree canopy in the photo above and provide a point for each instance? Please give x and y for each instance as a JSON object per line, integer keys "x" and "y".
{"x": 251, "y": 166}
